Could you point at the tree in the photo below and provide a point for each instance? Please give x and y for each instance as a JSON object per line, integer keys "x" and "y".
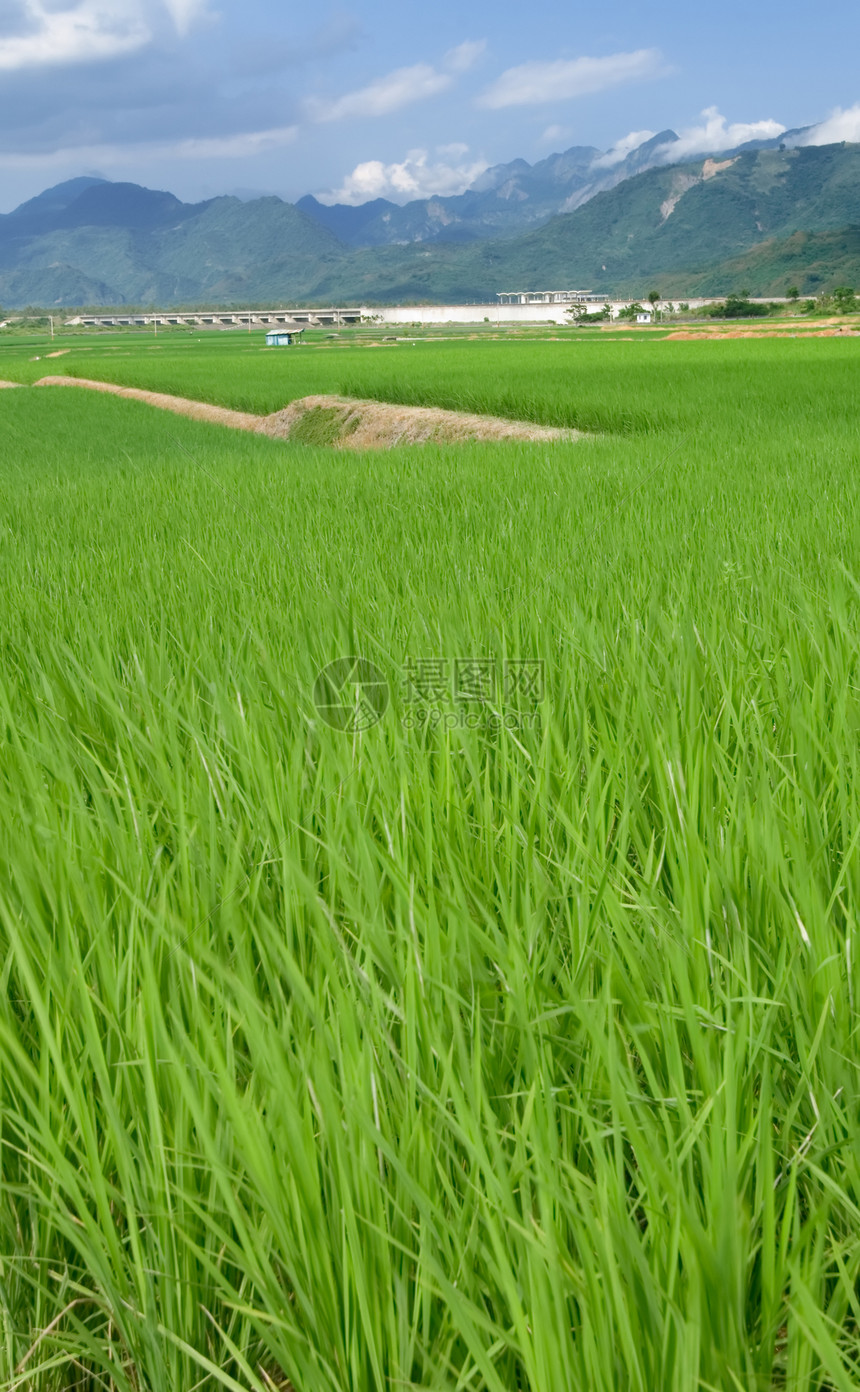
{"x": 580, "y": 316}
{"x": 793, "y": 293}
{"x": 844, "y": 300}
{"x": 737, "y": 307}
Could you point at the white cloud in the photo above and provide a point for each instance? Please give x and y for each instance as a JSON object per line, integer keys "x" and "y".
{"x": 396, "y": 89}
{"x": 622, "y": 148}
{"x": 387, "y": 94}
{"x": 244, "y": 147}
{"x": 415, "y": 177}
{"x": 842, "y": 125}
{"x": 465, "y": 55}
{"x": 716, "y": 134}
{"x": 46, "y": 34}
{"x": 90, "y": 30}
{"x": 565, "y": 78}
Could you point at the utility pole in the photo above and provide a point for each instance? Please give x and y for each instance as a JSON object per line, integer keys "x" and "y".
{"x": 51, "y": 322}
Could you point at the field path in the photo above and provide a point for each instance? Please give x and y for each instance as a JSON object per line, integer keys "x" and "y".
{"x": 341, "y": 421}
{"x": 197, "y": 410}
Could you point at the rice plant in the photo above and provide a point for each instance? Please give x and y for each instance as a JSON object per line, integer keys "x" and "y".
{"x": 504, "y": 1043}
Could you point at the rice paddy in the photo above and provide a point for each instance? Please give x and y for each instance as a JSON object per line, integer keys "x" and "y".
{"x": 491, "y": 1025}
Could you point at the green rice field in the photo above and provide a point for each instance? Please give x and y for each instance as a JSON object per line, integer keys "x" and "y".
{"x": 491, "y": 1026}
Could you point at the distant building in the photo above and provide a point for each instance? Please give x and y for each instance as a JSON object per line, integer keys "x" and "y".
{"x": 284, "y": 337}
{"x": 644, "y": 317}
{"x": 580, "y": 297}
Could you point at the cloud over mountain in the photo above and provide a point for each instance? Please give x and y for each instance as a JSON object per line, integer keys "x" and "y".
{"x": 416, "y": 176}
{"x": 357, "y": 99}
{"x": 842, "y": 125}
{"x": 622, "y": 148}
{"x": 715, "y": 133}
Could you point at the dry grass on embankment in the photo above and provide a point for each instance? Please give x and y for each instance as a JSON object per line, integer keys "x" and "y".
{"x": 340, "y": 421}
{"x": 197, "y": 410}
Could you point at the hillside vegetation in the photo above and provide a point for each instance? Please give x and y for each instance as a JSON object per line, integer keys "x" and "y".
{"x": 676, "y": 222}
{"x": 117, "y": 243}
{"x": 691, "y": 226}
{"x": 815, "y": 262}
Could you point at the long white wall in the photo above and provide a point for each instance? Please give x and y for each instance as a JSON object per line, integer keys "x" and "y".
{"x": 468, "y": 314}
{"x": 496, "y": 313}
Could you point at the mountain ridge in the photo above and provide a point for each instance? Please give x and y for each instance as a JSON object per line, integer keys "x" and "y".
{"x": 705, "y": 221}
{"x": 504, "y": 201}
{"x": 507, "y": 200}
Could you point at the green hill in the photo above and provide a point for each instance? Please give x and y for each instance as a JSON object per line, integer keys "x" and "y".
{"x": 158, "y": 250}
{"x": 690, "y": 218}
{"x": 760, "y": 220}
{"x": 813, "y": 261}
{"x": 693, "y": 227}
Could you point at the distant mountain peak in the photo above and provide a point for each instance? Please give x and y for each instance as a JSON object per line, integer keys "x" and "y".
{"x": 503, "y": 201}
{"x": 497, "y": 175}
{"x": 59, "y": 195}
{"x": 664, "y": 137}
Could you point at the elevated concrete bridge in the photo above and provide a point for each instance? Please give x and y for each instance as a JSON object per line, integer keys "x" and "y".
{"x": 222, "y": 318}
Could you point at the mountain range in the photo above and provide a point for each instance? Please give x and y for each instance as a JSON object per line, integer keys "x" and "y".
{"x": 750, "y": 218}
{"x": 502, "y": 202}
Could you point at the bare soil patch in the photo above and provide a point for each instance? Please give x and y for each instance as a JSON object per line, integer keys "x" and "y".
{"x": 718, "y": 335}
{"x": 339, "y": 421}
{"x": 3, "y": 385}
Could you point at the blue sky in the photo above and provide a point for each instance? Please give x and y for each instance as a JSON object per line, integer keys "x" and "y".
{"x": 365, "y": 99}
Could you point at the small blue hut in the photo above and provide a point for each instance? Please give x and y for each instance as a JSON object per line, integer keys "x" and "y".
{"x": 283, "y": 337}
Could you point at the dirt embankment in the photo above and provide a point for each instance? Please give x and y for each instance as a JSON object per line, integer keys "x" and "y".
{"x": 197, "y": 410}
{"x": 353, "y": 423}
{"x": 339, "y": 421}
